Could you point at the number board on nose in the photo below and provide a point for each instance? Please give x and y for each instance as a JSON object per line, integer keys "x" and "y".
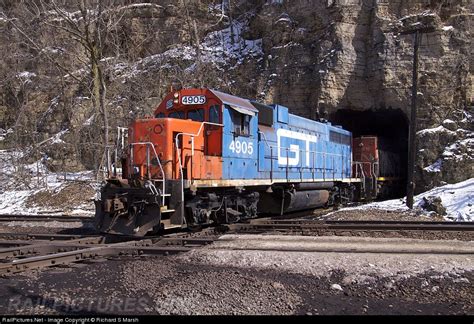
{"x": 193, "y": 100}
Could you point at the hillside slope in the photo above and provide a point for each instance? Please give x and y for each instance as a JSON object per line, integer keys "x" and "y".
{"x": 334, "y": 59}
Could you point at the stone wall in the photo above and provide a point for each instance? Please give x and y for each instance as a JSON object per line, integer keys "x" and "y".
{"x": 316, "y": 57}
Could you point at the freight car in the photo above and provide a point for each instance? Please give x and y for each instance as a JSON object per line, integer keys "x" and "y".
{"x": 210, "y": 157}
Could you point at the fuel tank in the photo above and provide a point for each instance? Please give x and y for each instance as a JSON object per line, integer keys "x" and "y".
{"x": 290, "y": 200}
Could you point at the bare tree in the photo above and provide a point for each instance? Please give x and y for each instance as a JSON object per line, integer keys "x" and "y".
{"x": 91, "y": 27}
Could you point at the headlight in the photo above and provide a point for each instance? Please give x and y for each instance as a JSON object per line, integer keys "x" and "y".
{"x": 158, "y": 129}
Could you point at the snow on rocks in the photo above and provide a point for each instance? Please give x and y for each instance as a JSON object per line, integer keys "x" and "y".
{"x": 336, "y": 287}
{"x": 458, "y": 199}
{"x": 222, "y": 48}
{"x": 31, "y": 189}
{"x": 35, "y": 201}
{"x": 26, "y": 76}
{"x": 435, "y": 167}
{"x": 4, "y": 133}
{"x": 438, "y": 129}
{"x": 457, "y": 150}
{"x": 11, "y": 202}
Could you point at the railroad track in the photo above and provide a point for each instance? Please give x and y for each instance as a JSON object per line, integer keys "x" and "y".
{"x": 44, "y": 218}
{"x": 292, "y": 224}
{"x": 340, "y": 244}
{"x": 22, "y": 251}
{"x": 45, "y": 253}
{"x": 7, "y": 239}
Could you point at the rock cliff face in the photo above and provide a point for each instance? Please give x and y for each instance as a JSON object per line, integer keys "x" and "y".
{"x": 334, "y": 59}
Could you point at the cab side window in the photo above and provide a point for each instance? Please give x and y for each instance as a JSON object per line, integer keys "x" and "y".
{"x": 160, "y": 115}
{"x": 241, "y": 123}
{"x": 196, "y": 115}
{"x": 214, "y": 114}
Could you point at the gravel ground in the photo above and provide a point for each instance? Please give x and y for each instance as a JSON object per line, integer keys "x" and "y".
{"x": 294, "y": 254}
{"x": 170, "y": 285}
{"x": 234, "y": 277}
{"x": 424, "y": 235}
{"x": 185, "y": 288}
{"x": 376, "y": 214}
{"x": 69, "y": 197}
{"x": 219, "y": 279}
{"x": 52, "y": 227}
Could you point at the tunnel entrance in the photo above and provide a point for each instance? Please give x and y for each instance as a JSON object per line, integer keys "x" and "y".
{"x": 391, "y": 128}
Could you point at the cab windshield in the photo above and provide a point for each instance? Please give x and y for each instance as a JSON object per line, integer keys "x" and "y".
{"x": 176, "y": 114}
{"x": 196, "y": 115}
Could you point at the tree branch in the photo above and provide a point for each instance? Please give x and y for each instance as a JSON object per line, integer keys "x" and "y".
{"x": 39, "y": 49}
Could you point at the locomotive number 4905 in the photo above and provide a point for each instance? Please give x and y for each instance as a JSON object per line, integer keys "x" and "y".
{"x": 241, "y": 147}
{"x": 193, "y": 100}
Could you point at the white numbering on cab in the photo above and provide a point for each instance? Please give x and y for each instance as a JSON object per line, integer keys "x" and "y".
{"x": 193, "y": 100}
{"x": 241, "y": 147}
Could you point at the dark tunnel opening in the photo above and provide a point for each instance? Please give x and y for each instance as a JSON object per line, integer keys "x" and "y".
{"x": 391, "y": 128}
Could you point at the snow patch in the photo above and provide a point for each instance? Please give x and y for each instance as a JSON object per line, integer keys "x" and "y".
{"x": 89, "y": 121}
{"x": 57, "y": 138}
{"x": 223, "y": 48}
{"x": 455, "y": 150}
{"x": 435, "y": 167}
{"x": 228, "y": 43}
{"x": 4, "y": 133}
{"x": 14, "y": 201}
{"x": 458, "y": 199}
{"x": 285, "y": 18}
{"x": 141, "y": 5}
{"x": 26, "y": 76}
{"x": 53, "y": 50}
{"x": 438, "y": 129}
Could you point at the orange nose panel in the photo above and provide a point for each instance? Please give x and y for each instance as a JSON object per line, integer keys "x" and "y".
{"x": 154, "y": 139}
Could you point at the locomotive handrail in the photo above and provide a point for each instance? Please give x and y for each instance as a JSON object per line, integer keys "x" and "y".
{"x": 148, "y": 163}
{"x": 375, "y": 164}
{"x": 192, "y": 154}
{"x": 311, "y": 168}
{"x": 373, "y": 170}
{"x": 313, "y": 153}
{"x": 264, "y": 138}
{"x": 309, "y": 151}
{"x": 358, "y": 165}
{"x": 192, "y": 148}
{"x": 108, "y": 164}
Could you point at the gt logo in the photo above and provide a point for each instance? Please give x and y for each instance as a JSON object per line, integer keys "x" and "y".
{"x": 293, "y": 158}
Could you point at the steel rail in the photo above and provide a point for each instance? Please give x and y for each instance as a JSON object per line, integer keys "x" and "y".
{"x": 369, "y": 222}
{"x": 352, "y": 225}
{"x": 445, "y": 251}
{"x": 61, "y": 253}
{"x": 47, "y": 247}
{"x": 43, "y": 236}
{"x": 44, "y": 218}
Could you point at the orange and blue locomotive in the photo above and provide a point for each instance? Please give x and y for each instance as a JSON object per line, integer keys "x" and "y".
{"x": 210, "y": 157}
